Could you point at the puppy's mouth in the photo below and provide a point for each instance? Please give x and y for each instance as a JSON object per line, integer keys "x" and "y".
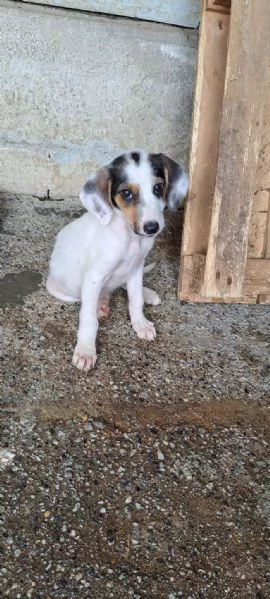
{"x": 144, "y": 234}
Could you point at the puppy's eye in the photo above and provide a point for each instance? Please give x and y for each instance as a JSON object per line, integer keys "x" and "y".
{"x": 158, "y": 189}
{"x": 126, "y": 194}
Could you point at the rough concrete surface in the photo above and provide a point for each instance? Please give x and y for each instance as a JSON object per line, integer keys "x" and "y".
{"x": 77, "y": 88}
{"x": 146, "y": 477}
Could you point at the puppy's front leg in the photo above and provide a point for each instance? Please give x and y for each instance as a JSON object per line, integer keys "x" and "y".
{"x": 143, "y": 327}
{"x": 85, "y": 356}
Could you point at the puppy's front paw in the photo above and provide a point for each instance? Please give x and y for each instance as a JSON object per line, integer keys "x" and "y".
{"x": 84, "y": 357}
{"x": 144, "y": 329}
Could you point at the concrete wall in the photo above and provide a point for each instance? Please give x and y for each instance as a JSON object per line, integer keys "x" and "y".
{"x": 76, "y": 89}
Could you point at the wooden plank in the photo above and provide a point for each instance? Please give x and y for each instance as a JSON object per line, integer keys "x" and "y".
{"x": 259, "y": 242}
{"x": 267, "y": 249}
{"x": 261, "y": 200}
{"x": 192, "y": 280}
{"x": 257, "y": 277}
{"x": 257, "y": 234}
{"x": 205, "y": 135}
{"x": 264, "y": 299}
{"x": 263, "y": 172}
{"x": 192, "y": 268}
{"x": 239, "y": 146}
{"x": 174, "y": 12}
{"x": 211, "y": 64}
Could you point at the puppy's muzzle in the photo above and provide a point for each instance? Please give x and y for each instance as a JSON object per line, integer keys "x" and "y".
{"x": 151, "y": 227}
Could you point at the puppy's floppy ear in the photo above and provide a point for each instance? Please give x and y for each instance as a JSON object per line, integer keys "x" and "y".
{"x": 96, "y": 196}
{"x": 177, "y": 182}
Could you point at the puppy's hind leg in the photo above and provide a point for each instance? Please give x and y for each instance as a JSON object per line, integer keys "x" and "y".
{"x": 150, "y": 297}
{"x": 55, "y": 289}
{"x": 103, "y": 307}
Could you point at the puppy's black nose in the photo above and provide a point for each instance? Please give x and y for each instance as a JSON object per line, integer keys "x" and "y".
{"x": 151, "y": 227}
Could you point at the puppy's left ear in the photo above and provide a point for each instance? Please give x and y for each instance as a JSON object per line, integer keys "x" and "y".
{"x": 96, "y": 195}
{"x": 177, "y": 183}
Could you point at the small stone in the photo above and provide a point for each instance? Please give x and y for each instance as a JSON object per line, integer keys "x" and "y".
{"x": 47, "y": 514}
{"x": 99, "y": 425}
{"x": 128, "y": 499}
{"x": 160, "y": 455}
{"x": 88, "y": 427}
{"x": 103, "y": 510}
{"x": 6, "y": 458}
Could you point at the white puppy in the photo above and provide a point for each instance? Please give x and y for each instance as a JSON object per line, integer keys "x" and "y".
{"x": 106, "y": 247}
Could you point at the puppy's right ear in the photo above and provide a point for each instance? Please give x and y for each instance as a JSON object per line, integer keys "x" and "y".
{"x": 96, "y": 196}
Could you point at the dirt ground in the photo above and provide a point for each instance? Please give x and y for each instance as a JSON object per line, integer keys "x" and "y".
{"x": 149, "y": 476}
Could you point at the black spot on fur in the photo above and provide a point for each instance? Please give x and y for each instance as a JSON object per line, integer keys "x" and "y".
{"x": 135, "y": 157}
{"x": 157, "y": 164}
{"x": 116, "y": 170}
{"x": 90, "y": 187}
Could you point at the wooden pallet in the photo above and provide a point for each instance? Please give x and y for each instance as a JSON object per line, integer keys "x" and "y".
{"x": 225, "y": 254}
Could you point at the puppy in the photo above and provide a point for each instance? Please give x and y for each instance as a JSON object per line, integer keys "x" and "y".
{"x": 106, "y": 247}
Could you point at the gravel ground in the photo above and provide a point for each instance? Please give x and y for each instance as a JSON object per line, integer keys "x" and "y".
{"x": 148, "y": 476}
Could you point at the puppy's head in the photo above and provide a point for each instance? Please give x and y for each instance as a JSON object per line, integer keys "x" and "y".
{"x": 140, "y": 185}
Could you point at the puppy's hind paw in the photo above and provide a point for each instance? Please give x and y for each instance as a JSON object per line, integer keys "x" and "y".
{"x": 103, "y": 310}
{"x": 144, "y": 329}
{"x": 150, "y": 297}
{"x": 84, "y": 357}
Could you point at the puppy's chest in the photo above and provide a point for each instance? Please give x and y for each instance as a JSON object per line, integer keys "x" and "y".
{"x": 135, "y": 252}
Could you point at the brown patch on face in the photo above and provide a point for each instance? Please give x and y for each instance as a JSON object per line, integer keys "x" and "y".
{"x": 129, "y": 206}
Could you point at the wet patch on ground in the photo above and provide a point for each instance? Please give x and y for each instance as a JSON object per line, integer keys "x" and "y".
{"x": 15, "y": 287}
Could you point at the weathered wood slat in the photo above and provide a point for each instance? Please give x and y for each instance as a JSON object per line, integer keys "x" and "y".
{"x": 238, "y": 150}
{"x": 264, "y": 299}
{"x": 212, "y": 54}
{"x": 267, "y": 249}
{"x": 255, "y": 288}
{"x": 257, "y": 234}
{"x": 263, "y": 172}
{"x": 192, "y": 275}
{"x": 257, "y": 277}
{"x": 205, "y": 138}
